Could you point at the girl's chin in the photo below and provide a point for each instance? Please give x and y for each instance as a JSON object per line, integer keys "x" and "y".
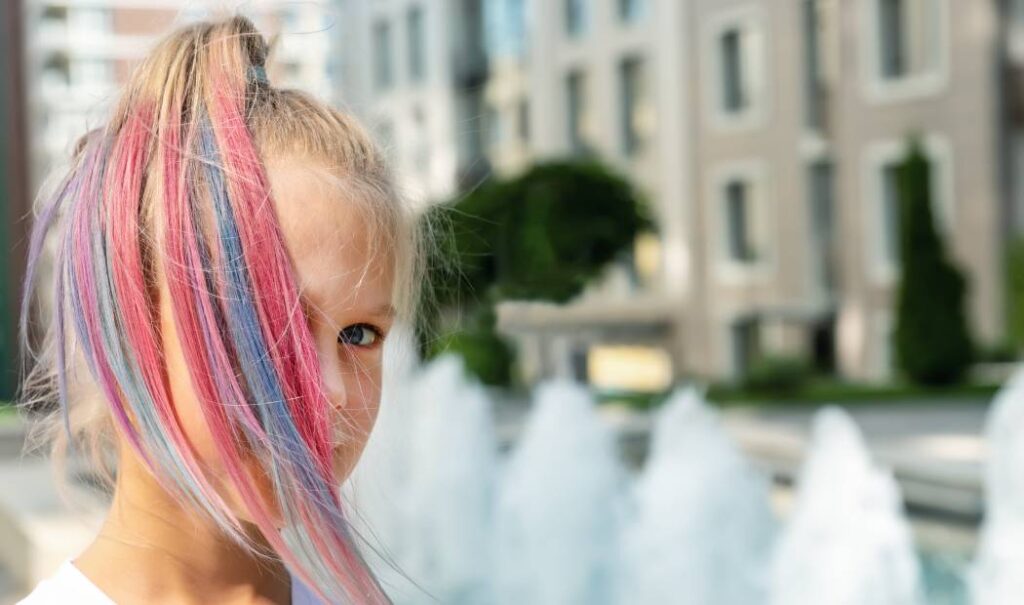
{"x": 342, "y": 466}
{"x": 345, "y": 458}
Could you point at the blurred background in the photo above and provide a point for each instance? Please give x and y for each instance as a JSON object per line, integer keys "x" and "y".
{"x": 786, "y": 203}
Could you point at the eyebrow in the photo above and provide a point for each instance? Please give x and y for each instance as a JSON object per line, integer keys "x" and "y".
{"x": 386, "y": 310}
{"x": 381, "y": 311}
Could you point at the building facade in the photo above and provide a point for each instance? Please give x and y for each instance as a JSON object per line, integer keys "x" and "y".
{"x": 413, "y": 70}
{"x": 775, "y": 188}
{"x": 79, "y": 53}
{"x": 764, "y": 134}
{"x": 803, "y": 109}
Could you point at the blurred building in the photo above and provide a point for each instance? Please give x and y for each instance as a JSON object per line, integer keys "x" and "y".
{"x": 79, "y": 52}
{"x": 414, "y": 71}
{"x": 765, "y": 132}
{"x": 802, "y": 109}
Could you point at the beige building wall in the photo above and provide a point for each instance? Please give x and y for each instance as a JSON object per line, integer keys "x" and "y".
{"x": 956, "y": 109}
{"x": 764, "y": 149}
{"x": 955, "y": 106}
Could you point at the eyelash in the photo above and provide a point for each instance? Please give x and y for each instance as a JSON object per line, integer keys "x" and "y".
{"x": 378, "y": 336}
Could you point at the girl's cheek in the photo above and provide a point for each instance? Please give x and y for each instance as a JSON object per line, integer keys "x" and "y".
{"x": 358, "y": 410}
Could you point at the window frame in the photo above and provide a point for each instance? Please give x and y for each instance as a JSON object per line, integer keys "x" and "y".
{"x": 881, "y": 89}
{"x": 761, "y": 232}
{"x": 575, "y": 29}
{"x": 755, "y": 44}
{"x": 576, "y": 129}
{"x": 633, "y": 142}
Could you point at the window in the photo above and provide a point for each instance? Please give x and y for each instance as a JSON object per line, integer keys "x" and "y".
{"x": 814, "y": 84}
{"x": 416, "y": 43}
{"x": 821, "y": 202}
{"x": 741, "y": 241}
{"x": 576, "y": 17}
{"x": 473, "y": 139}
{"x": 382, "y": 74}
{"x": 633, "y": 105}
{"x": 631, "y": 10}
{"x": 734, "y": 88}
{"x": 576, "y": 97}
{"x": 57, "y": 70}
{"x": 734, "y": 59}
{"x": 523, "y": 120}
{"x": 746, "y": 345}
{"x": 738, "y": 222}
{"x": 908, "y": 40}
{"x": 891, "y": 27}
{"x": 55, "y": 13}
{"x": 891, "y": 204}
{"x": 421, "y": 149}
{"x": 493, "y": 126}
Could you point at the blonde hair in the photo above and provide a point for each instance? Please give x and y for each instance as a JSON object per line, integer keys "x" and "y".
{"x": 183, "y": 153}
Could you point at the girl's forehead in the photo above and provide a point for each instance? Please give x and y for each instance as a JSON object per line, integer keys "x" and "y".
{"x": 311, "y": 202}
{"x": 330, "y": 237}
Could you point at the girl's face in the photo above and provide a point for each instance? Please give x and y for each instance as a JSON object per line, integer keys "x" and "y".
{"x": 345, "y": 281}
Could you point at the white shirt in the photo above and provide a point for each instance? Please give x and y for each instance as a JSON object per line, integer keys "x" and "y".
{"x": 69, "y": 585}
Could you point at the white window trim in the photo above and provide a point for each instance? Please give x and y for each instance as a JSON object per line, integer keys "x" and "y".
{"x": 881, "y": 153}
{"x": 727, "y": 270}
{"x": 879, "y": 90}
{"x": 749, "y": 16}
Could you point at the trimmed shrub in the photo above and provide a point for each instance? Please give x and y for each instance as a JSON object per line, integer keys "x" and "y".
{"x": 932, "y": 343}
{"x": 778, "y": 376}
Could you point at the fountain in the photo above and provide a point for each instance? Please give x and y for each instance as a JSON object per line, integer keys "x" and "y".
{"x": 560, "y": 506}
{"x": 560, "y": 521}
{"x": 996, "y": 578}
{"x": 847, "y": 542}
{"x": 704, "y": 527}
{"x": 424, "y": 487}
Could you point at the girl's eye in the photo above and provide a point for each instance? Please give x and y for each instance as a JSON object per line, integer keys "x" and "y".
{"x": 359, "y": 335}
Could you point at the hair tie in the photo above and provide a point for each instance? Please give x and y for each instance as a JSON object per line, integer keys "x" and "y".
{"x": 258, "y": 74}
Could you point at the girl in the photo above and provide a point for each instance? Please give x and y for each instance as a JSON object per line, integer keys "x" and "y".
{"x": 229, "y": 258}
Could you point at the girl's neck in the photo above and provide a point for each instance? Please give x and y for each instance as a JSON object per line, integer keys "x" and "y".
{"x": 152, "y": 550}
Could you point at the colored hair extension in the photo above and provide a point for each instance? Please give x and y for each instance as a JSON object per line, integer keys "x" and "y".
{"x": 176, "y": 183}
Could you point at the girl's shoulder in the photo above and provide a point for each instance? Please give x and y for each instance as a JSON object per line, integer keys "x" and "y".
{"x": 66, "y": 585}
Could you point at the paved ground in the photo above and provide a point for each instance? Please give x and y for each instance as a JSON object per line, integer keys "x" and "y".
{"x": 936, "y": 451}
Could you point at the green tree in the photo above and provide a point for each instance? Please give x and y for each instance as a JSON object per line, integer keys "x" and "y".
{"x": 542, "y": 235}
{"x": 932, "y": 343}
{"x": 1015, "y": 292}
